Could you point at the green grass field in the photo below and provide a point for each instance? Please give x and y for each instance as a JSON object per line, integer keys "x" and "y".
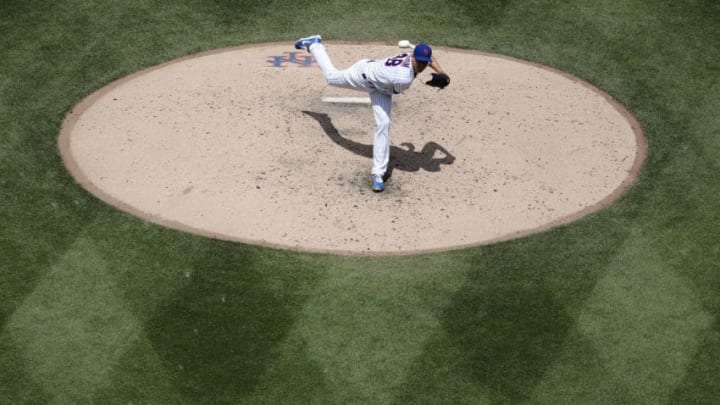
{"x": 97, "y": 306}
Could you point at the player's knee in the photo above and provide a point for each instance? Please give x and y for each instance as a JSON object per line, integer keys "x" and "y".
{"x": 382, "y": 123}
{"x": 382, "y": 118}
{"x": 331, "y": 76}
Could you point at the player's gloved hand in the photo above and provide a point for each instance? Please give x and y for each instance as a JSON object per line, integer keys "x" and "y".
{"x": 439, "y": 80}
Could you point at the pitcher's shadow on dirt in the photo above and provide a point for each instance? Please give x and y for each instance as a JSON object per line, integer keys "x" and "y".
{"x": 401, "y": 159}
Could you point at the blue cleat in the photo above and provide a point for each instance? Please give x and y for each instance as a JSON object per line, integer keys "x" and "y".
{"x": 306, "y": 42}
{"x": 377, "y": 183}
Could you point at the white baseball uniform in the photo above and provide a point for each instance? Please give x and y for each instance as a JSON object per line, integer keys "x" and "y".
{"x": 382, "y": 79}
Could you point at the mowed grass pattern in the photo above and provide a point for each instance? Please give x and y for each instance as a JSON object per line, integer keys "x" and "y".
{"x": 97, "y": 306}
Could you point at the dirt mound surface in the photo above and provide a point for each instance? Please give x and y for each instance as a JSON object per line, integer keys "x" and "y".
{"x": 249, "y": 144}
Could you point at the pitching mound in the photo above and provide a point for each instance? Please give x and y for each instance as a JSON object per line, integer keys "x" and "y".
{"x": 249, "y": 144}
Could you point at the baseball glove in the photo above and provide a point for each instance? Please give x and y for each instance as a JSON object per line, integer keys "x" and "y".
{"x": 439, "y": 80}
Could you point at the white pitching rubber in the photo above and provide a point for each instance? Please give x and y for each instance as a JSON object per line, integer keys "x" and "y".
{"x": 346, "y": 100}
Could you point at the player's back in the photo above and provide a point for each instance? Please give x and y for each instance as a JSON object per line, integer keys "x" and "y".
{"x": 392, "y": 75}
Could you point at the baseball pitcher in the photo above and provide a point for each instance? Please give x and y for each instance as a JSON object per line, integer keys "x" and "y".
{"x": 382, "y": 79}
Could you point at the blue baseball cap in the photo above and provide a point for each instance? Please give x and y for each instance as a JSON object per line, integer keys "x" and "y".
{"x": 422, "y": 53}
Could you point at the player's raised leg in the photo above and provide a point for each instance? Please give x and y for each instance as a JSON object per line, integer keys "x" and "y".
{"x": 350, "y": 78}
{"x": 333, "y": 76}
